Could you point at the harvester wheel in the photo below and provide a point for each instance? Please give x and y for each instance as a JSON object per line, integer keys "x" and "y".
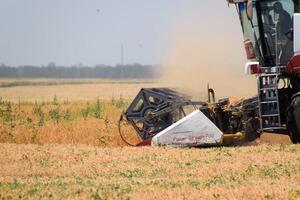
{"x": 293, "y": 119}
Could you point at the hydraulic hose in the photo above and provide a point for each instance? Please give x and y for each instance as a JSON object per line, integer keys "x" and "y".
{"x": 120, "y": 132}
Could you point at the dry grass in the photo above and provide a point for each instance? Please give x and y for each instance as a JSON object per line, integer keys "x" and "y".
{"x": 59, "y": 111}
{"x": 68, "y": 147}
{"x": 14, "y": 82}
{"x": 72, "y": 90}
{"x": 87, "y": 172}
{"x": 93, "y": 123}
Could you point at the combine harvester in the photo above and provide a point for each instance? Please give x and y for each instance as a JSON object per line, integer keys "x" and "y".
{"x": 271, "y": 29}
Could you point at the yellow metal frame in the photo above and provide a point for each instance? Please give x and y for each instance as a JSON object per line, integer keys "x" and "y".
{"x": 236, "y": 136}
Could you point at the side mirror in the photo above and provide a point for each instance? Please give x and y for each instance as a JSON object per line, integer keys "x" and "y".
{"x": 250, "y": 9}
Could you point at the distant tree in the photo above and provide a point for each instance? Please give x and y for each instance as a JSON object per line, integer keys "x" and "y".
{"x": 51, "y": 64}
{"x": 136, "y": 71}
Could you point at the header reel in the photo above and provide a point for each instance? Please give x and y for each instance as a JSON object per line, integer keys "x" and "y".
{"x": 155, "y": 109}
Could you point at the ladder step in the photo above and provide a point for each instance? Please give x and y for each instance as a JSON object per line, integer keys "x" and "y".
{"x": 272, "y": 128}
{"x": 268, "y": 88}
{"x": 268, "y": 99}
{"x": 268, "y": 85}
{"x": 268, "y": 75}
{"x": 270, "y": 115}
{"x": 266, "y": 102}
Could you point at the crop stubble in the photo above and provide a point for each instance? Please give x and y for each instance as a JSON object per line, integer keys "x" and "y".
{"x": 80, "y": 172}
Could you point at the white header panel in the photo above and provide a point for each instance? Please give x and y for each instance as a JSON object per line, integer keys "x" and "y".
{"x": 297, "y": 33}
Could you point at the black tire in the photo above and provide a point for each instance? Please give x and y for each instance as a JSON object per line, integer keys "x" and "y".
{"x": 293, "y": 119}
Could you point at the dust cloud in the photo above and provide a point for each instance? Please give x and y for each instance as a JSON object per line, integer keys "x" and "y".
{"x": 203, "y": 52}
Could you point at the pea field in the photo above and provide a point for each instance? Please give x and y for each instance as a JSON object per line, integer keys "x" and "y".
{"x": 60, "y": 140}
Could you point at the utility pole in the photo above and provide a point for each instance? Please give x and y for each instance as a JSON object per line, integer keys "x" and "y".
{"x": 122, "y": 61}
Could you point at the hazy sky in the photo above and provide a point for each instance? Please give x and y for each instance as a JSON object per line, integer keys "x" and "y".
{"x": 91, "y": 32}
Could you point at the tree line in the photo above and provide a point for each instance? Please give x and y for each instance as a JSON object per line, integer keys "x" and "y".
{"x": 129, "y": 71}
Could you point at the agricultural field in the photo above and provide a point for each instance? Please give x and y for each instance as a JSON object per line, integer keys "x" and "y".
{"x": 90, "y": 172}
{"x": 70, "y": 89}
{"x": 59, "y": 140}
{"x": 91, "y": 122}
{"x": 85, "y": 113}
